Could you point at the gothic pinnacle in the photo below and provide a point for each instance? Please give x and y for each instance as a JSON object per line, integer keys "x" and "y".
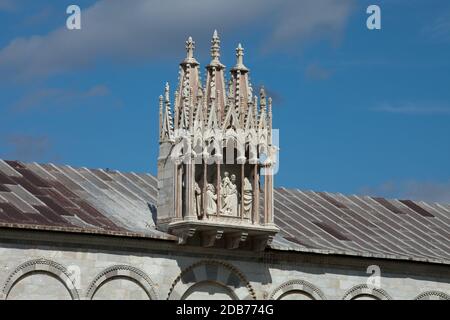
{"x": 167, "y": 93}
{"x": 190, "y": 46}
{"x": 215, "y": 50}
{"x": 240, "y": 58}
{"x": 262, "y": 95}
{"x": 161, "y": 112}
{"x": 215, "y": 46}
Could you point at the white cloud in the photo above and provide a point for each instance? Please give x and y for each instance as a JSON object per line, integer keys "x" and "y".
{"x": 430, "y": 191}
{"x": 58, "y": 97}
{"x": 27, "y": 147}
{"x": 415, "y": 108}
{"x": 141, "y": 30}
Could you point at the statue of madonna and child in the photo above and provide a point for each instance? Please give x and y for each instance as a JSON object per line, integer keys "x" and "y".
{"x": 229, "y": 197}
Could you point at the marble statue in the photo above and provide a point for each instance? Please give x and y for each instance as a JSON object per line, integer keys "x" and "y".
{"x": 248, "y": 197}
{"x": 229, "y": 195}
{"x": 225, "y": 184}
{"x": 197, "y": 200}
{"x": 211, "y": 199}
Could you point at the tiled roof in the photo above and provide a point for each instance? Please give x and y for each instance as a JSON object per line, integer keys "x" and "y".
{"x": 63, "y": 198}
{"x": 79, "y": 200}
{"x": 363, "y": 226}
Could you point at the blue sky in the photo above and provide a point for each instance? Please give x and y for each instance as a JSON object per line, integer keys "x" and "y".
{"x": 359, "y": 111}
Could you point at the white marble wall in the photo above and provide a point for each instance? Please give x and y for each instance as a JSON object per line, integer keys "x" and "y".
{"x": 331, "y": 279}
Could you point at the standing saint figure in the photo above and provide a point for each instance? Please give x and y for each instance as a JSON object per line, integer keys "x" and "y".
{"x": 211, "y": 199}
{"x": 224, "y": 190}
{"x": 248, "y": 198}
{"x": 231, "y": 200}
{"x": 197, "y": 200}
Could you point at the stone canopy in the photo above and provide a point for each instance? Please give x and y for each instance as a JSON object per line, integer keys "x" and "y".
{"x": 216, "y": 156}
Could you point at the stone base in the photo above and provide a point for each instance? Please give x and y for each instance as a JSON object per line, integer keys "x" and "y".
{"x": 216, "y": 233}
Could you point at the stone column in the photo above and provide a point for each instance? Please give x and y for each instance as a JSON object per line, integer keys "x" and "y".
{"x": 268, "y": 195}
{"x": 255, "y": 194}
{"x": 189, "y": 189}
{"x": 219, "y": 197}
{"x": 242, "y": 189}
{"x": 205, "y": 182}
{"x": 178, "y": 190}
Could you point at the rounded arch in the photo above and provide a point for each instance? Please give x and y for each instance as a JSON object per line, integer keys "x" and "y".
{"x": 191, "y": 290}
{"x": 297, "y": 285}
{"x": 218, "y": 272}
{"x": 433, "y": 295}
{"x": 365, "y": 290}
{"x": 41, "y": 265}
{"x": 123, "y": 271}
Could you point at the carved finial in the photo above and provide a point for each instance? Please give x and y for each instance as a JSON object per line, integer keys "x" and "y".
{"x": 269, "y": 101}
{"x": 240, "y": 55}
{"x": 240, "y": 59}
{"x": 262, "y": 95}
{"x": 190, "y": 46}
{"x": 176, "y": 109}
{"x": 269, "y": 120}
{"x": 250, "y": 91}
{"x": 167, "y": 92}
{"x": 167, "y": 127}
{"x": 215, "y": 46}
{"x": 161, "y": 99}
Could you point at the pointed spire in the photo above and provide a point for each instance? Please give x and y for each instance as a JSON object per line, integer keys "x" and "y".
{"x": 161, "y": 99}
{"x": 177, "y": 109}
{"x": 255, "y": 108}
{"x": 250, "y": 90}
{"x": 167, "y": 129}
{"x": 190, "y": 46}
{"x": 240, "y": 77}
{"x": 240, "y": 59}
{"x": 167, "y": 93}
{"x": 262, "y": 96}
{"x": 215, "y": 46}
{"x": 188, "y": 83}
{"x": 215, "y": 50}
{"x": 263, "y": 104}
{"x": 204, "y": 106}
{"x": 215, "y": 88}
{"x": 269, "y": 121}
{"x": 270, "y": 107}
{"x": 239, "y": 53}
